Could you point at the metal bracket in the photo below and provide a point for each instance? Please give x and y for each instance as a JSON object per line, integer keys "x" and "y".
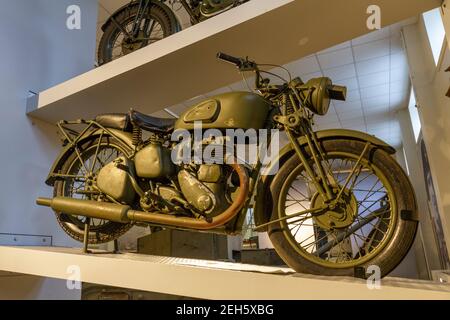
{"x": 25, "y": 240}
{"x": 293, "y": 120}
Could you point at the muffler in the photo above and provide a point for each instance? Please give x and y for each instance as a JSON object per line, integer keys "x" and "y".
{"x": 87, "y": 208}
{"x": 124, "y": 213}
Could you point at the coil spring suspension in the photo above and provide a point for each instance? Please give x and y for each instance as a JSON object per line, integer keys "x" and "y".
{"x": 137, "y": 136}
{"x": 288, "y": 103}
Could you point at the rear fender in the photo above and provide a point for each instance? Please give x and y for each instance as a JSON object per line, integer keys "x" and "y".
{"x": 124, "y": 137}
{"x": 263, "y": 202}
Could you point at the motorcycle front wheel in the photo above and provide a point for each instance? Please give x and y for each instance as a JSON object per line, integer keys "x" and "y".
{"x": 156, "y": 25}
{"x": 371, "y": 227}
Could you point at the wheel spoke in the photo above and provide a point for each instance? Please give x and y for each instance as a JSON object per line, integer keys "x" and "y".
{"x": 96, "y": 153}
{"x": 297, "y": 220}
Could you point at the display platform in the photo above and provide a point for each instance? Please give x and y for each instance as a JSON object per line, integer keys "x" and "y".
{"x": 204, "y": 279}
{"x": 183, "y": 65}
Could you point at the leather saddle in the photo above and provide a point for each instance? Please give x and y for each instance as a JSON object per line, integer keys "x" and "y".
{"x": 125, "y": 122}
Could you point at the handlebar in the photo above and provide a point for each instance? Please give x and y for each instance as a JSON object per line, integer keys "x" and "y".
{"x": 262, "y": 84}
{"x": 230, "y": 59}
{"x": 241, "y": 63}
{"x": 244, "y": 64}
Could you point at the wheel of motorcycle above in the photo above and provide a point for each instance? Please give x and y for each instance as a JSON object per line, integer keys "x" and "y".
{"x": 141, "y": 23}
{"x": 122, "y": 35}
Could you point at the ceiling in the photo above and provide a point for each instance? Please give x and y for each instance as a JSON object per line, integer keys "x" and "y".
{"x": 373, "y": 67}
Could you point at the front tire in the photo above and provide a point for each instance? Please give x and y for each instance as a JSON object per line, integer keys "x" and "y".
{"x": 113, "y": 43}
{"x": 333, "y": 249}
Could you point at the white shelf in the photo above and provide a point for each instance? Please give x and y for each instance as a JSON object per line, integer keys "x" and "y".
{"x": 183, "y": 66}
{"x": 205, "y": 279}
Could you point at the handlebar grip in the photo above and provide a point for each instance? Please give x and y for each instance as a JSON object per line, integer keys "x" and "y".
{"x": 230, "y": 59}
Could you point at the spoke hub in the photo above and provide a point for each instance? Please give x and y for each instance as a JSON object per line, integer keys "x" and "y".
{"x": 131, "y": 44}
{"x": 339, "y": 215}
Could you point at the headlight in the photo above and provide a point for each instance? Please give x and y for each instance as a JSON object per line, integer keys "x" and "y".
{"x": 318, "y": 92}
{"x": 317, "y": 97}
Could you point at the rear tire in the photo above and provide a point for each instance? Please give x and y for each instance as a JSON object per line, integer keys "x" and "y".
{"x": 101, "y": 231}
{"x": 392, "y": 249}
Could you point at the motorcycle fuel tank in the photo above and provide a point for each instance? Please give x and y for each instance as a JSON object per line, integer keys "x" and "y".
{"x": 234, "y": 110}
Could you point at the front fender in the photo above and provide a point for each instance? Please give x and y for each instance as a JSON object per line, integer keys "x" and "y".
{"x": 124, "y": 137}
{"x": 262, "y": 204}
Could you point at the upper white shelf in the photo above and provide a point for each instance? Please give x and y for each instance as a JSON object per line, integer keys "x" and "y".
{"x": 183, "y": 65}
{"x": 194, "y": 278}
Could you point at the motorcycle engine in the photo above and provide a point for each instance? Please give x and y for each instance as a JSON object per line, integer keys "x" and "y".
{"x": 204, "y": 189}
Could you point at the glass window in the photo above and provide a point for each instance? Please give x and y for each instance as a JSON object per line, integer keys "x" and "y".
{"x": 436, "y": 32}
{"x": 414, "y": 115}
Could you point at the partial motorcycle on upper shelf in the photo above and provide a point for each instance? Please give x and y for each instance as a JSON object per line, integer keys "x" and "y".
{"x": 143, "y": 22}
{"x": 333, "y": 202}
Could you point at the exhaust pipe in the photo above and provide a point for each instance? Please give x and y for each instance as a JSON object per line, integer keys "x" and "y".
{"x": 87, "y": 208}
{"x": 124, "y": 214}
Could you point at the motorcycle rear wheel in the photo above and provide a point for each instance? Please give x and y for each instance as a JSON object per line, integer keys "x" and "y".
{"x": 104, "y": 150}
{"x": 325, "y": 245}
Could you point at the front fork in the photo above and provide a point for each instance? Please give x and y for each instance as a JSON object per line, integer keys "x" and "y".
{"x": 329, "y": 190}
{"x": 319, "y": 179}
{"x": 143, "y": 7}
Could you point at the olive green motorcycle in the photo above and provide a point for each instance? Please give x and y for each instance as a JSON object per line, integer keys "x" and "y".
{"x": 335, "y": 202}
